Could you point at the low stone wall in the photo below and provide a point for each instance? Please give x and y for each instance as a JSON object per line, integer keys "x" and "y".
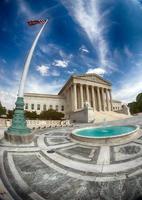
{"x": 2, "y": 122}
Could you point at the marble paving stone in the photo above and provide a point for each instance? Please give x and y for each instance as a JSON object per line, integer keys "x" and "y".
{"x": 80, "y": 153}
{"x": 50, "y": 184}
{"x": 57, "y": 133}
{"x": 57, "y": 140}
{"x": 104, "y": 156}
{"x": 73, "y": 171}
{"x": 126, "y": 152}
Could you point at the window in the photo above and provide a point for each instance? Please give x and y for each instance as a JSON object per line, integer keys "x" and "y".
{"x": 50, "y": 107}
{"x": 26, "y": 106}
{"x": 57, "y": 108}
{"x": 38, "y": 106}
{"x": 62, "y": 108}
{"x": 32, "y": 106}
{"x": 44, "y": 107}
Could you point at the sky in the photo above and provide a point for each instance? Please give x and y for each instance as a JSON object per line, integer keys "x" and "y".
{"x": 95, "y": 36}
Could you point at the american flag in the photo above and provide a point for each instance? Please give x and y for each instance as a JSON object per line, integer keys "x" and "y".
{"x": 34, "y": 22}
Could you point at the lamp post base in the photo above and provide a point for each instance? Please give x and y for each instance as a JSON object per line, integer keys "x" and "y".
{"x": 18, "y": 132}
{"x": 18, "y": 139}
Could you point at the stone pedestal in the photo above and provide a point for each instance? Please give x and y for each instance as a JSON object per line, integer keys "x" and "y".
{"x": 18, "y": 132}
{"x": 18, "y": 139}
{"x": 85, "y": 115}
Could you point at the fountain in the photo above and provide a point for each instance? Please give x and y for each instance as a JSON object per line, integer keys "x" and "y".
{"x": 103, "y": 133}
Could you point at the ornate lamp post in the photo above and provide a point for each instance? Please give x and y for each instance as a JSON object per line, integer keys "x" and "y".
{"x": 18, "y": 132}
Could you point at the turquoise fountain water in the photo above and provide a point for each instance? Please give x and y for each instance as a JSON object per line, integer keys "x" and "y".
{"x": 105, "y": 132}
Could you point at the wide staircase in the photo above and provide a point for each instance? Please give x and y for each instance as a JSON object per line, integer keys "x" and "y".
{"x": 109, "y": 116}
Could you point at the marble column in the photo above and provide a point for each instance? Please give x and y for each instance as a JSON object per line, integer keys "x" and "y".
{"x": 81, "y": 95}
{"x": 99, "y": 98}
{"x": 68, "y": 98}
{"x": 107, "y": 100}
{"x": 110, "y": 100}
{"x": 103, "y": 99}
{"x": 74, "y": 99}
{"x": 87, "y": 94}
{"x": 93, "y": 97}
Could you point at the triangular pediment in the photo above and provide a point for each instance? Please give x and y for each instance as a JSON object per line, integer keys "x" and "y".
{"x": 94, "y": 77}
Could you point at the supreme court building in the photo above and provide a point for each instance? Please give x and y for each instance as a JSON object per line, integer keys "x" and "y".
{"x": 78, "y": 90}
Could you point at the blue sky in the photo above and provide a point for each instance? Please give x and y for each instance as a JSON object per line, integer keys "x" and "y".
{"x": 104, "y": 37}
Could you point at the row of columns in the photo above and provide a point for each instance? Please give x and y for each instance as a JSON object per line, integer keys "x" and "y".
{"x": 99, "y": 98}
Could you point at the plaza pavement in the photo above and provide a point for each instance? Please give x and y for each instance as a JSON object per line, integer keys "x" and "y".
{"x": 55, "y": 167}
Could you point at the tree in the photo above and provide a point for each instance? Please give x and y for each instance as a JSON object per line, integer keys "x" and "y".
{"x": 31, "y": 115}
{"x": 133, "y": 107}
{"x": 136, "y": 107}
{"x": 139, "y": 97}
{"x": 51, "y": 115}
{"x": 10, "y": 114}
{"x": 139, "y": 102}
{"x": 2, "y": 110}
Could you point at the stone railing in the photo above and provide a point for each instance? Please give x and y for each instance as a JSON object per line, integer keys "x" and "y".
{"x": 38, "y": 124}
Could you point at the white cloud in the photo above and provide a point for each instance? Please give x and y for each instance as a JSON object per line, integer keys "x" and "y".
{"x": 99, "y": 71}
{"x": 49, "y": 48}
{"x": 128, "y": 91}
{"x": 73, "y": 71}
{"x": 84, "y": 49}
{"x": 127, "y": 52}
{"x": 4, "y": 61}
{"x": 25, "y": 9}
{"x": 38, "y": 85}
{"x": 130, "y": 85}
{"x": 8, "y": 97}
{"x": 88, "y": 16}
{"x": 138, "y": 3}
{"x": 55, "y": 73}
{"x": 61, "y": 63}
{"x": 2, "y": 73}
{"x": 43, "y": 70}
{"x": 8, "y": 92}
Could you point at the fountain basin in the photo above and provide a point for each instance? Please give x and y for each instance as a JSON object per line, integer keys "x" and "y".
{"x": 92, "y": 134}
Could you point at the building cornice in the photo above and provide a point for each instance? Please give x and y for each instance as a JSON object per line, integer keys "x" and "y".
{"x": 116, "y": 101}
{"x": 65, "y": 85}
{"x": 43, "y": 95}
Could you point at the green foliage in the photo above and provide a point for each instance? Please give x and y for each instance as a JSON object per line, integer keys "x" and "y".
{"x": 10, "y": 114}
{"x": 139, "y": 97}
{"x": 2, "y": 110}
{"x": 31, "y": 115}
{"x": 44, "y": 115}
{"x": 133, "y": 107}
{"x": 51, "y": 115}
{"x": 136, "y": 107}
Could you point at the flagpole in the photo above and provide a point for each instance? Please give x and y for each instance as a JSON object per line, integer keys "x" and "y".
{"x": 18, "y": 132}
{"x": 27, "y": 63}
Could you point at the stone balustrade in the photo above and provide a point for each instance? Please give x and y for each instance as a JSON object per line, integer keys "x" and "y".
{"x": 38, "y": 124}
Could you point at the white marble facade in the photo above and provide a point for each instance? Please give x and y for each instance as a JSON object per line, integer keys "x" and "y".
{"x": 89, "y": 88}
